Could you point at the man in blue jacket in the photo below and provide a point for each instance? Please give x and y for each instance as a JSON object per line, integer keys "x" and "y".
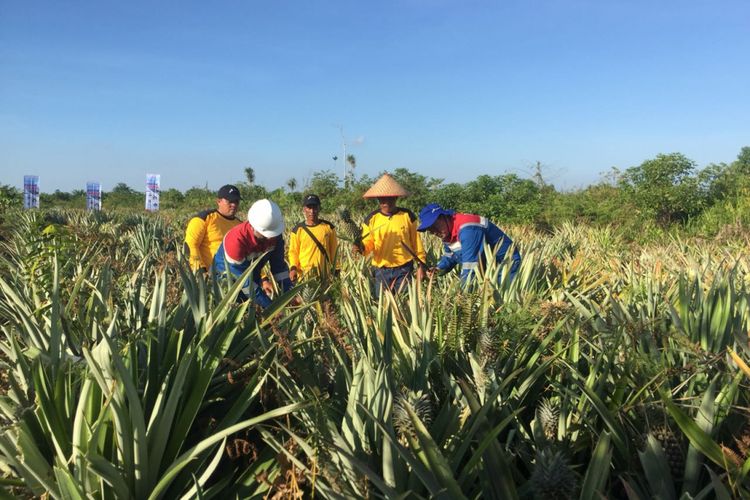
{"x": 464, "y": 237}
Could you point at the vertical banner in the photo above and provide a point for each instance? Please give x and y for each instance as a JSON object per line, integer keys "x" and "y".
{"x": 152, "y": 192}
{"x": 30, "y": 191}
{"x": 93, "y": 196}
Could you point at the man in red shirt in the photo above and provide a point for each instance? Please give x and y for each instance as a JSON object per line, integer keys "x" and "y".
{"x": 255, "y": 241}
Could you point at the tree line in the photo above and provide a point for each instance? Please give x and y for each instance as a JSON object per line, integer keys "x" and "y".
{"x": 662, "y": 194}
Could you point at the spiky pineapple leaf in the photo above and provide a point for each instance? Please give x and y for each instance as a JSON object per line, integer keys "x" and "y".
{"x": 697, "y": 436}
{"x": 656, "y": 468}
{"x": 597, "y": 472}
{"x": 190, "y": 455}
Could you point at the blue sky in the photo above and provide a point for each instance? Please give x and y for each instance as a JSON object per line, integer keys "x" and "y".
{"x": 198, "y": 91}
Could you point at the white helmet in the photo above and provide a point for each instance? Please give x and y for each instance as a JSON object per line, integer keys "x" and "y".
{"x": 265, "y": 217}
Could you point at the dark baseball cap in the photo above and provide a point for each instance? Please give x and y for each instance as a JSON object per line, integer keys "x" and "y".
{"x": 229, "y": 192}
{"x": 310, "y": 200}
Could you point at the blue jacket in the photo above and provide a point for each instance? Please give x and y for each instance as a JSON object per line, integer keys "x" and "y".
{"x": 466, "y": 245}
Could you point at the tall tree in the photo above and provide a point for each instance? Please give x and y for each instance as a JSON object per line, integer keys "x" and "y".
{"x": 250, "y": 174}
{"x": 743, "y": 161}
{"x": 420, "y": 188}
{"x": 324, "y": 183}
{"x": 349, "y": 179}
{"x": 122, "y": 188}
{"x": 664, "y": 187}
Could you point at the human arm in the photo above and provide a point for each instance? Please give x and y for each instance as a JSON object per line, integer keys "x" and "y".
{"x": 232, "y": 263}
{"x": 235, "y": 255}
{"x": 420, "y": 252}
{"x": 448, "y": 260}
{"x": 368, "y": 240}
{"x": 279, "y": 267}
{"x": 417, "y": 244}
{"x": 332, "y": 247}
{"x": 472, "y": 246}
{"x": 194, "y": 235}
{"x": 279, "y": 272}
{"x": 293, "y": 256}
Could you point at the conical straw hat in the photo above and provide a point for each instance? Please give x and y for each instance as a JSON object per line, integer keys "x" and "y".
{"x": 384, "y": 187}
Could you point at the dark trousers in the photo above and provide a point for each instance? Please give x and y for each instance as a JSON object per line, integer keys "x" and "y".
{"x": 391, "y": 278}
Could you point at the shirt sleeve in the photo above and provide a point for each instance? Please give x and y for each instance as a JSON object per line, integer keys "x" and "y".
{"x": 331, "y": 247}
{"x": 194, "y": 234}
{"x": 417, "y": 244}
{"x": 472, "y": 245}
{"x": 294, "y": 251}
{"x": 368, "y": 239}
{"x": 448, "y": 260}
{"x": 279, "y": 269}
{"x": 236, "y": 262}
{"x": 236, "y": 268}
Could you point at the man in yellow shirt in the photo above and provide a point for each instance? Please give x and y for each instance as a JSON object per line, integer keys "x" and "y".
{"x": 390, "y": 235}
{"x": 206, "y": 230}
{"x": 312, "y": 243}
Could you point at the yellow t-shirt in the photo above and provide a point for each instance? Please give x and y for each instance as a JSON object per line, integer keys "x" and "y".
{"x": 204, "y": 234}
{"x": 385, "y": 235}
{"x": 304, "y": 253}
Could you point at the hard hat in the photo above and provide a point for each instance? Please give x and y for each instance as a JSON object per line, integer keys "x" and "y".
{"x": 265, "y": 217}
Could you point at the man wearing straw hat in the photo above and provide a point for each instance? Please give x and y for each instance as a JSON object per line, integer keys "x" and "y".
{"x": 389, "y": 234}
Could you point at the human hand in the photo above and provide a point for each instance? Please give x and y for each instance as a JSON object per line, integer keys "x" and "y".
{"x": 356, "y": 250}
{"x": 293, "y": 275}
{"x": 420, "y": 272}
{"x": 267, "y": 287}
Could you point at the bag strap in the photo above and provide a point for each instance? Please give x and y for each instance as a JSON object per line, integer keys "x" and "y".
{"x": 318, "y": 243}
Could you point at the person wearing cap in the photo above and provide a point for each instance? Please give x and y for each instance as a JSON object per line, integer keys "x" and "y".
{"x": 312, "y": 243}
{"x": 259, "y": 239}
{"x": 389, "y": 234}
{"x": 206, "y": 230}
{"x": 464, "y": 237}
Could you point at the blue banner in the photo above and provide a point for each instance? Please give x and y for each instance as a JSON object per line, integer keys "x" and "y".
{"x": 30, "y": 191}
{"x": 153, "y": 183}
{"x": 93, "y": 196}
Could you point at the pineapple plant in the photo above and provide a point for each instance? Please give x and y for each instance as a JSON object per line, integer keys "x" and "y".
{"x": 488, "y": 346}
{"x": 348, "y": 230}
{"x": 420, "y": 403}
{"x": 672, "y": 447}
{"x": 547, "y": 416}
{"x": 553, "y": 478}
{"x": 115, "y": 388}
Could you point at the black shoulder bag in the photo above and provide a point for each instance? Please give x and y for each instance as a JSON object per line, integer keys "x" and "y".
{"x": 318, "y": 243}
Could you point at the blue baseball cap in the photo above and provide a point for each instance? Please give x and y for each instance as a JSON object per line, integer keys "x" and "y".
{"x": 430, "y": 213}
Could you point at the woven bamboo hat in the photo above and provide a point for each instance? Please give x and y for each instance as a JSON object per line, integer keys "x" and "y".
{"x": 385, "y": 187}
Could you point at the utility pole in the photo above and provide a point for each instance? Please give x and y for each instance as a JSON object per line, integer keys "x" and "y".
{"x": 343, "y": 147}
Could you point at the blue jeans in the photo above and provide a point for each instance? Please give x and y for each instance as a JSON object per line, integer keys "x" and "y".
{"x": 391, "y": 278}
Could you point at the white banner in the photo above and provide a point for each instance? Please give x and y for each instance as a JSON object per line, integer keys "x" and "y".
{"x": 93, "y": 196}
{"x": 30, "y": 191}
{"x": 153, "y": 182}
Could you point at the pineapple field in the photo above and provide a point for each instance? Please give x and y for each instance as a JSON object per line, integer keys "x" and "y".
{"x": 604, "y": 369}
